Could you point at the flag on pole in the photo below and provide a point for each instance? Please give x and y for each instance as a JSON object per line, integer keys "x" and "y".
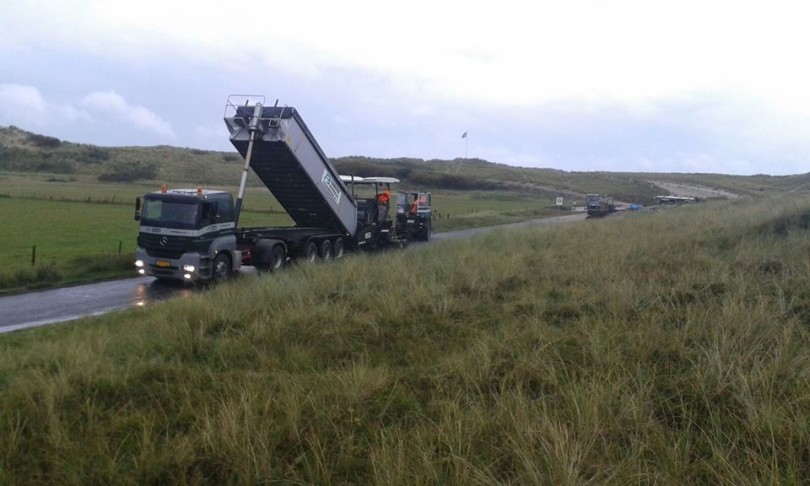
{"x": 464, "y": 135}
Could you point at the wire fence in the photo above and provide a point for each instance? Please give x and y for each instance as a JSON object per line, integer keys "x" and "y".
{"x": 35, "y": 254}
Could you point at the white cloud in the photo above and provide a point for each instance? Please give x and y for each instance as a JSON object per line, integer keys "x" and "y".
{"x": 111, "y": 103}
{"x": 70, "y": 114}
{"x": 22, "y": 105}
{"x": 26, "y": 107}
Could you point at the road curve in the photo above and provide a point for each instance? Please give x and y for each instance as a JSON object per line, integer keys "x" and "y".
{"x": 52, "y": 306}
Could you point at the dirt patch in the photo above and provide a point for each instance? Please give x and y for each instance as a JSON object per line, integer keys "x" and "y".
{"x": 701, "y": 192}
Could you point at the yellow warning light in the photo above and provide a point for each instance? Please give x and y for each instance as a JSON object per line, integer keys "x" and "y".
{"x": 164, "y": 188}
{"x": 199, "y": 191}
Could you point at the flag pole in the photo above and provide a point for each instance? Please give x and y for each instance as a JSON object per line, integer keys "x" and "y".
{"x": 466, "y": 139}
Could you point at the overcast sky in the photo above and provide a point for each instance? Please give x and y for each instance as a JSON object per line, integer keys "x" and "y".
{"x": 663, "y": 86}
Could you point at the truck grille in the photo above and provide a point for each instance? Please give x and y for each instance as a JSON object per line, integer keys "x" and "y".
{"x": 163, "y": 246}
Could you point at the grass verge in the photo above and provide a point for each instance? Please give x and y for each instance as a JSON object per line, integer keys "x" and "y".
{"x": 659, "y": 348}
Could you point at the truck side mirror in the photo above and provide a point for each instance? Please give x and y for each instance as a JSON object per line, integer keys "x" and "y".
{"x": 137, "y": 209}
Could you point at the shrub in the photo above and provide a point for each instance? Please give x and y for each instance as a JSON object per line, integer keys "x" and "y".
{"x": 95, "y": 155}
{"x": 43, "y": 141}
{"x": 129, "y": 172}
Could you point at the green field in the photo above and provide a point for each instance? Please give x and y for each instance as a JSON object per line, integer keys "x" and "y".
{"x": 63, "y": 230}
{"x": 668, "y": 347}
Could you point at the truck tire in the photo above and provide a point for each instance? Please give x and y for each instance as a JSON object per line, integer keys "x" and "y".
{"x": 221, "y": 269}
{"x": 425, "y": 236}
{"x": 278, "y": 258}
{"x": 310, "y": 252}
{"x": 325, "y": 250}
{"x": 338, "y": 250}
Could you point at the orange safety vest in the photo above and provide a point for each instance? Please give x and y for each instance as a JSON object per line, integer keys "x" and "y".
{"x": 383, "y": 197}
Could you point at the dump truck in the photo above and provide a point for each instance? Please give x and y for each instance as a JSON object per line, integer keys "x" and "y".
{"x": 598, "y": 205}
{"x": 194, "y": 235}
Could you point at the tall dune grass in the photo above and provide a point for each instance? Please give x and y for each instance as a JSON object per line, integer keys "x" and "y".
{"x": 667, "y": 348}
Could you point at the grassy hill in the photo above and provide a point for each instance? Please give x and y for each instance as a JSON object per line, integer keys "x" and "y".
{"x": 666, "y": 347}
{"x": 29, "y": 152}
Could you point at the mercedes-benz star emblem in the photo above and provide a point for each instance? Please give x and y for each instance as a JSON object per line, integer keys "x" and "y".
{"x": 163, "y": 241}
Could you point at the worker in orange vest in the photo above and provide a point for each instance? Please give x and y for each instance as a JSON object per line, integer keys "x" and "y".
{"x": 414, "y": 205}
{"x": 382, "y": 203}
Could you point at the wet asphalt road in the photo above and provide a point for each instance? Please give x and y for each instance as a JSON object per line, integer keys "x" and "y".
{"x": 45, "y": 307}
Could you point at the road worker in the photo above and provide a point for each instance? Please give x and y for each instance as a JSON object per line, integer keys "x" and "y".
{"x": 382, "y": 203}
{"x": 414, "y": 205}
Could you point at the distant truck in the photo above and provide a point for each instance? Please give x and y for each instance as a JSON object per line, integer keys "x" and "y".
{"x": 193, "y": 234}
{"x": 598, "y": 205}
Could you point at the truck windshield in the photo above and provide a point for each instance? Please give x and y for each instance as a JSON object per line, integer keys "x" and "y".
{"x": 170, "y": 214}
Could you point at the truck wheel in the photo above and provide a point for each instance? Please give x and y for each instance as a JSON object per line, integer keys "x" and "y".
{"x": 278, "y": 257}
{"x": 310, "y": 251}
{"x": 325, "y": 250}
{"x": 221, "y": 269}
{"x": 426, "y": 231}
{"x": 338, "y": 249}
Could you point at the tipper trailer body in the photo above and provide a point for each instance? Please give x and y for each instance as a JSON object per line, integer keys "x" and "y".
{"x": 291, "y": 164}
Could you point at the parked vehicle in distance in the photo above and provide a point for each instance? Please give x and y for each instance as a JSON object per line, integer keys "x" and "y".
{"x": 674, "y": 200}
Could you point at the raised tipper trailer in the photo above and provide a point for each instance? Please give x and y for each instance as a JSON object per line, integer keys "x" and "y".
{"x": 207, "y": 242}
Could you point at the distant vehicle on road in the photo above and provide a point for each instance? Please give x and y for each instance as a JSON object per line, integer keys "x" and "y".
{"x": 674, "y": 200}
{"x": 597, "y": 205}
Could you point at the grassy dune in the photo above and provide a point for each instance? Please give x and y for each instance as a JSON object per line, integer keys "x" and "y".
{"x": 667, "y": 347}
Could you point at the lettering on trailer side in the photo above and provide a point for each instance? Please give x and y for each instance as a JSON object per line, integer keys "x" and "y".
{"x": 329, "y": 182}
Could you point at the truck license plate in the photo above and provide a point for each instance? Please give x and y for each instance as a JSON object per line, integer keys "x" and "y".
{"x": 163, "y": 263}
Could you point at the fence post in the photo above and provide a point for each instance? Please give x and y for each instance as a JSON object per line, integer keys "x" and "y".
{"x": 34, "y": 255}
{"x": 119, "y": 246}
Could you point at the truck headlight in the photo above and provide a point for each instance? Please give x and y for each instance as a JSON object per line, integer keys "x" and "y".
{"x": 188, "y": 268}
{"x": 139, "y": 263}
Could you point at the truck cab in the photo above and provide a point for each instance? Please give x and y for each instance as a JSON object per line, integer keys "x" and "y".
{"x": 186, "y": 235}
